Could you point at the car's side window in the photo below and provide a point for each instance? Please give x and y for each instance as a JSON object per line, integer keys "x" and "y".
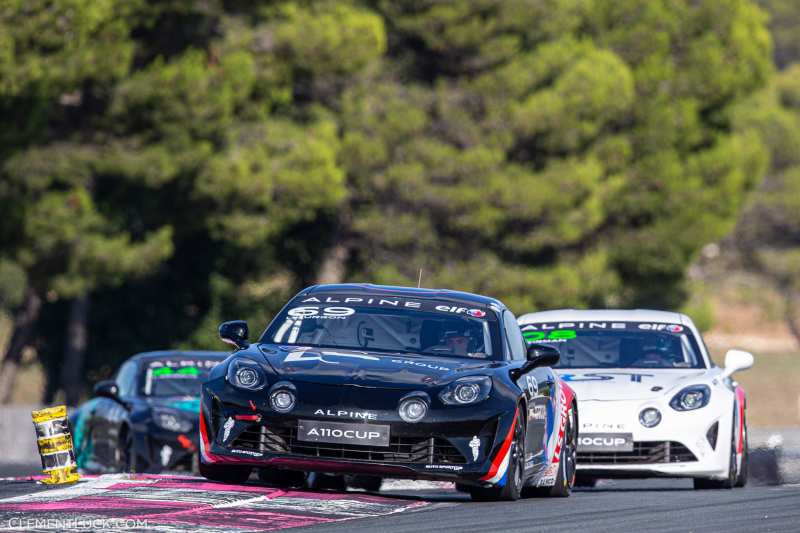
{"x": 126, "y": 379}
{"x": 514, "y": 336}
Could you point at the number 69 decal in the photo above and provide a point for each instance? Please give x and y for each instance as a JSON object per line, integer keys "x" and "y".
{"x": 324, "y": 312}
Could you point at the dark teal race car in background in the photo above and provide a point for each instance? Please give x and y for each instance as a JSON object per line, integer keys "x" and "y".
{"x": 145, "y": 419}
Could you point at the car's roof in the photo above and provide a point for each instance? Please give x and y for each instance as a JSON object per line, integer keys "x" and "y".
{"x": 161, "y": 354}
{"x": 404, "y": 292}
{"x": 619, "y": 315}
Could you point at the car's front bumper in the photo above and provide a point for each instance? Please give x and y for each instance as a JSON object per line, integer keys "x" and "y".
{"x": 683, "y": 444}
{"x": 461, "y": 445}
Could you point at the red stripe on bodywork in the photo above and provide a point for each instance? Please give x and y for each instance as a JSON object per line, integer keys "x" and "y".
{"x": 566, "y": 394}
{"x": 740, "y": 401}
{"x": 503, "y": 449}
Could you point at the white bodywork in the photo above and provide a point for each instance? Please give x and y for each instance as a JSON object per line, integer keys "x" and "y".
{"x": 610, "y": 401}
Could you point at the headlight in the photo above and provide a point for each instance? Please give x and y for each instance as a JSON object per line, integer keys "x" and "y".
{"x": 691, "y": 398}
{"x": 467, "y": 391}
{"x": 246, "y": 374}
{"x": 171, "y": 421}
{"x": 650, "y": 417}
{"x": 413, "y": 408}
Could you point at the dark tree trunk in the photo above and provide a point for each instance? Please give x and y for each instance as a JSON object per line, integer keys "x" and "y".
{"x": 75, "y": 350}
{"x": 24, "y": 322}
{"x": 334, "y": 265}
{"x": 792, "y": 318}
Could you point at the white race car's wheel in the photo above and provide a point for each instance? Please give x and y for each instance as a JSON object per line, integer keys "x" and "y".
{"x": 741, "y": 478}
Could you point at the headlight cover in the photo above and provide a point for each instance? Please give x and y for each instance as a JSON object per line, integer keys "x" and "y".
{"x": 691, "y": 398}
{"x": 246, "y": 374}
{"x": 466, "y": 391}
{"x": 171, "y": 421}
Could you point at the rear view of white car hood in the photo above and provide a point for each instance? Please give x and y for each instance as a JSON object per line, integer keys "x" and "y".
{"x": 609, "y": 384}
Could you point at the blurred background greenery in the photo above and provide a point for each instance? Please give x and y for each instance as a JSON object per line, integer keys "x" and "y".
{"x": 169, "y": 164}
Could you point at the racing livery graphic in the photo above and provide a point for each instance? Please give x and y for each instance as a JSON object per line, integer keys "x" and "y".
{"x": 652, "y": 402}
{"x": 353, "y": 383}
{"x": 145, "y": 419}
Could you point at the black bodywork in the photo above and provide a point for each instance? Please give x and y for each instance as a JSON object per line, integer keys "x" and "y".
{"x": 356, "y": 389}
{"x": 126, "y": 427}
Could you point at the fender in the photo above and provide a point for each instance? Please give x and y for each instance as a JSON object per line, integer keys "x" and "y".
{"x": 499, "y": 468}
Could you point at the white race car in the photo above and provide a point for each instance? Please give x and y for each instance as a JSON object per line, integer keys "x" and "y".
{"x": 651, "y": 400}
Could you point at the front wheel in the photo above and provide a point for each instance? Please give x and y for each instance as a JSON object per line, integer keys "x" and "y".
{"x": 282, "y": 478}
{"x": 512, "y": 489}
{"x": 741, "y": 478}
{"x": 367, "y": 483}
{"x": 235, "y": 475}
{"x": 567, "y": 459}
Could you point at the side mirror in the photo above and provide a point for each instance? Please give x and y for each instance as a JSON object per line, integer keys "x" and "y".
{"x": 736, "y": 360}
{"x": 543, "y": 355}
{"x": 234, "y": 332}
{"x": 107, "y": 389}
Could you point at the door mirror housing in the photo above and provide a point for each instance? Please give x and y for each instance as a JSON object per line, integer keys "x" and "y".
{"x": 543, "y": 355}
{"x": 107, "y": 389}
{"x": 736, "y": 360}
{"x": 235, "y": 333}
{"x": 538, "y": 355}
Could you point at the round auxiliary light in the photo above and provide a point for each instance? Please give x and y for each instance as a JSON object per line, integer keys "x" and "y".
{"x": 413, "y": 410}
{"x": 650, "y": 417}
{"x": 247, "y": 376}
{"x": 282, "y": 400}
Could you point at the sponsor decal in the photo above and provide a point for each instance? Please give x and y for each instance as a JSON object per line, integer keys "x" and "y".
{"x": 532, "y": 385}
{"x": 306, "y": 354}
{"x": 604, "y": 376}
{"x": 605, "y": 442}
{"x": 246, "y": 452}
{"x": 475, "y": 446}
{"x": 602, "y": 426}
{"x": 563, "y": 330}
{"x": 389, "y": 302}
{"x": 341, "y": 413}
{"x": 537, "y": 412}
{"x": 419, "y": 364}
{"x": 562, "y": 424}
{"x": 338, "y": 432}
{"x": 454, "y": 468}
{"x": 343, "y": 433}
{"x": 548, "y": 477}
{"x": 381, "y": 302}
{"x": 227, "y": 427}
{"x": 477, "y": 313}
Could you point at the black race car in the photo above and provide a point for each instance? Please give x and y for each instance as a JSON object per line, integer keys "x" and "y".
{"x": 361, "y": 382}
{"x": 145, "y": 419}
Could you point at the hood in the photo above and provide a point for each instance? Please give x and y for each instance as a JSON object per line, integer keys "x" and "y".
{"x": 629, "y": 383}
{"x": 367, "y": 369}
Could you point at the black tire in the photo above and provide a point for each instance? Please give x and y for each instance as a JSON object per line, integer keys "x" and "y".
{"x": 565, "y": 479}
{"x": 321, "y": 481}
{"x": 282, "y": 478}
{"x": 126, "y": 455}
{"x": 701, "y": 483}
{"x": 367, "y": 483}
{"x": 235, "y": 475}
{"x": 741, "y": 477}
{"x": 585, "y": 481}
{"x": 512, "y": 490}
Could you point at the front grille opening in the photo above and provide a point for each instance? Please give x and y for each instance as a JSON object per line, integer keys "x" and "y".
{"x": 658, "y": 452}
{"x": 711, "y": 435}
{"x": 277, "y": 439}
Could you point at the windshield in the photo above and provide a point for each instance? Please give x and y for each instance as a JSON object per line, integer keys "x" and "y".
{"x": 388, "y": 324}
{"x": 176, "y": 377}
{"x": 618, "y": 344}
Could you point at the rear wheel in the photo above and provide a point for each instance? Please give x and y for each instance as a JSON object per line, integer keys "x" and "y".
{"x": 514, "y": 475}
{"x": 225, "y": 473}
{"x": 565, "y": 478}
{"x": 126, "y": 455}
{"x": 282, "y": 478}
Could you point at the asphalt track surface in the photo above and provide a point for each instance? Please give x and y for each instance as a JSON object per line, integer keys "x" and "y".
{"x": 178, "y": 504}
